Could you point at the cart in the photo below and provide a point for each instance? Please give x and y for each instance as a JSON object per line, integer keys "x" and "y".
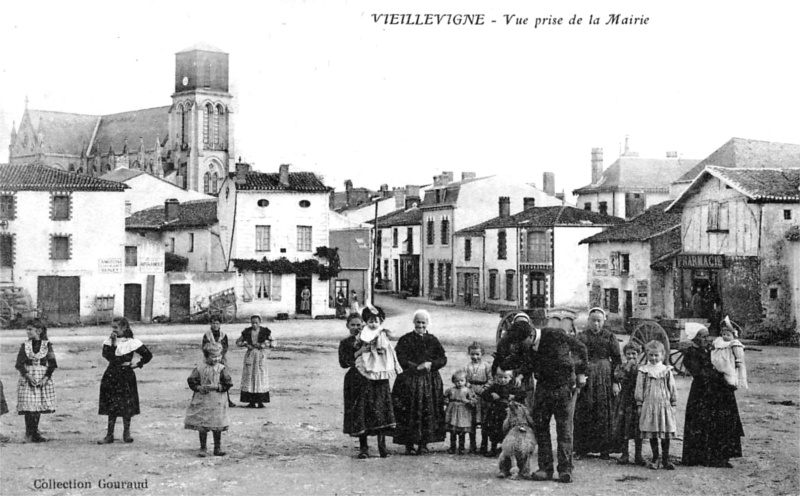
{"x": 16, "y": 308}
{"x": 563, "y": 318}
{"x": 221, "y": 304}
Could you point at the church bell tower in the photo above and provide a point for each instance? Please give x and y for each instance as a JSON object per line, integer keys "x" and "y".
{"x": 200, "y": 123}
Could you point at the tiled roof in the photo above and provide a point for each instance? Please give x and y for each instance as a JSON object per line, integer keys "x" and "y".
{"x": 747, "y": 153}
{"x": 122, "y": 174}
{"x": 546, "y": 217}
{"x": 634, "y": 173}
{"x": 401, "y": 217}
{"x": 641, "y": 228}
{"x": 128, "y": 128}
{"x": 759, "y": 185}
{"x": 34, "y": 177}
{"x": 195, "y": 213}
{"x": 298, "y": 181}
{"x": 64, "y": 132}
{"x": 205, "y": 47}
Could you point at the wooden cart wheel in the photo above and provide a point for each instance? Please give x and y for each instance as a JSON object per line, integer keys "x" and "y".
{"x": 676, "y": 360}
{"x": 650, "y": 331}
{"x": 224, "y": 308}
{"x": 503, "y": 326}
{"x": 6, "y": 314}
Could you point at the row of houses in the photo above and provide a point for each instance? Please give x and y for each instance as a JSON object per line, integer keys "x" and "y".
{"x": 265, "y": 238}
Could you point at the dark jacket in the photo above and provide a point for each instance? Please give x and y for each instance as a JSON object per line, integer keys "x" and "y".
{"x": 264, "y": 335}
{"x": 558, "y": 359}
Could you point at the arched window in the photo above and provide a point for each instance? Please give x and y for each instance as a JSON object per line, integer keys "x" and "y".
{"x": 214, "y": 180}
{"x": 205, "y": 183}
{"x": 208, "y": 114}
{"x": 222, "y": 139}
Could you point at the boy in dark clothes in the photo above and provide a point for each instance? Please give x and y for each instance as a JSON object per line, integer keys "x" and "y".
{"x": 498, "y": 395}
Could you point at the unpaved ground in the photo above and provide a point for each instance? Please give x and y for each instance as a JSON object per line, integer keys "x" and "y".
{"x": 295, "y": 445}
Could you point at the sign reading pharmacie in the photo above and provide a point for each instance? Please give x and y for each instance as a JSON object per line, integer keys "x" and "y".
{"x": 700, "y": 261}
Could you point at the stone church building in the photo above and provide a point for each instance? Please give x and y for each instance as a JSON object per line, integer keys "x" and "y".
{"x": 188, "y": 143}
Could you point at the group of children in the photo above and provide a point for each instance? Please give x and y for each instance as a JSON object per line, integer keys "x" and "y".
{"x": 647, "y": 398}
{"x": 645, "y": 406}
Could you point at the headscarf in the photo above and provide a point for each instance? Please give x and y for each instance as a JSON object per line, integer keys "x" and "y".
{"x": 371, "y": 311}
{"x": 727, "y": 325}
{"x": 691, "y": 330}
{"x": 597, "y": 309}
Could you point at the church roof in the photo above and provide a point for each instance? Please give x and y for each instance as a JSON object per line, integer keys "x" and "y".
{"x": 63, "y": 132}
{"x": 128, "y": 128}
{"x": 639, "y": 174}
{"x": 298, "y": 181}
{"x": 739, "y": 152}
{"x": 36, "y": 177}
{"x": 122, "y": 174}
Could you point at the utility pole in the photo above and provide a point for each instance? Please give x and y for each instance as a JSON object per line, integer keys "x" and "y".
{"x": 374, "y": 259}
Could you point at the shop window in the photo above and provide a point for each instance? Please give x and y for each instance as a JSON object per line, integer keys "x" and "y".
{"x": 611, "y": 300}
{"x": 261, "y": 286}
{"x": 131, "y": 256}
{"x": 502, "y": 245}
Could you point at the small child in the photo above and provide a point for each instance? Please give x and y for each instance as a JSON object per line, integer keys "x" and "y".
{"x": 727, "y": 356}
{"x": 376, "y": 360}
{"x": 208, "y": 410}
{"x": 479, "y": 377}
{"x": 460, "y": 413}
{"x": 626, "y": 418}
{"x": 498, "y": 396}
{"x": 656, "y": 398}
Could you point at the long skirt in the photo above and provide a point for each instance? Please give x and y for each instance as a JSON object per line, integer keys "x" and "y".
{"x": 712, "y": 429}
{"x": 208, "y": 412}
{"x": 255, "y": 377}
{"x": 594, "y": 411}
{"x": 3, "y": 404}
{"x": 41, "y": 399}
{"x": 119, "y": 394}
{"x": 626, "y": 418}
{"x": 368, "y": 408}
{"x": 418, "y": 398}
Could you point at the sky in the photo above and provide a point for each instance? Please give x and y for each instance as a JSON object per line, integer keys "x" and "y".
{"x": 322, "y": 86}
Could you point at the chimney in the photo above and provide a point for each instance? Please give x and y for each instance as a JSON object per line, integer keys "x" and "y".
{"x": 672, "y": 154}
{"x": 467, "y": 175}
{"x": 284, "y": 175}
{"x": 241, "y": 172}
{"x": 384, "y": 191}
{"x": 447, "y": 177}
{"x": 597, "y": 165}
{"x": 412, "y": 196}
{"x": 399, "y": 197}
{"x": 171, "y": 207}
{"x": 549, "y": 183}
{"x": 348, "y": 185}
{"x": 528, "y": 202}
{"x": 505, "y": 206}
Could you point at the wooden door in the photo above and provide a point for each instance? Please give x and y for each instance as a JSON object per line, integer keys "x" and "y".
{"x": 303, "y": 295}
{"x": 59, "y": 299}
{"x": 132, "y": 309}
{"x": 537, "y": 290}
{"x": 179, "y": 295}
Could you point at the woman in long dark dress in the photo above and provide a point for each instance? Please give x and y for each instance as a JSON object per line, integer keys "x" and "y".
{"x": 368, "y": 407}
{"x": 712, "y": 429}
{"x": 594, "y": 410}
{"x": 119, "y": 394}
{"x": 418, "y": 394}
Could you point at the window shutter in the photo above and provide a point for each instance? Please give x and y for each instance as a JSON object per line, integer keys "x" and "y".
{"x": 247, "y": 286}
{"x": 614, "y": 263}
{"x": 276, "y": 287}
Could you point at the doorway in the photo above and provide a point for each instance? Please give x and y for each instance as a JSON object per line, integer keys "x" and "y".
{"x": 303, "y": 296}
{"x": 179, "y": 302}
{"x": 132, "y": 308}
{"x": 537, "y": 290}
{"x": 59, "y": 299}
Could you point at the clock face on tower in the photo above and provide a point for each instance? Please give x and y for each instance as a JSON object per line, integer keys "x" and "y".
{"x": 185, "y": 81}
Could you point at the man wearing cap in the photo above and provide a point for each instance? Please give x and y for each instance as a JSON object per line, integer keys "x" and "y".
{"x": 559, "y": 365}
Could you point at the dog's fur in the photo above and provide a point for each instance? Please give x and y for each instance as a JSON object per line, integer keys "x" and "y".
{"x": 519, "y": 443}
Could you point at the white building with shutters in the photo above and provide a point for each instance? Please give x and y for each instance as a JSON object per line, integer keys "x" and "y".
{"x": 271, "y": 225}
